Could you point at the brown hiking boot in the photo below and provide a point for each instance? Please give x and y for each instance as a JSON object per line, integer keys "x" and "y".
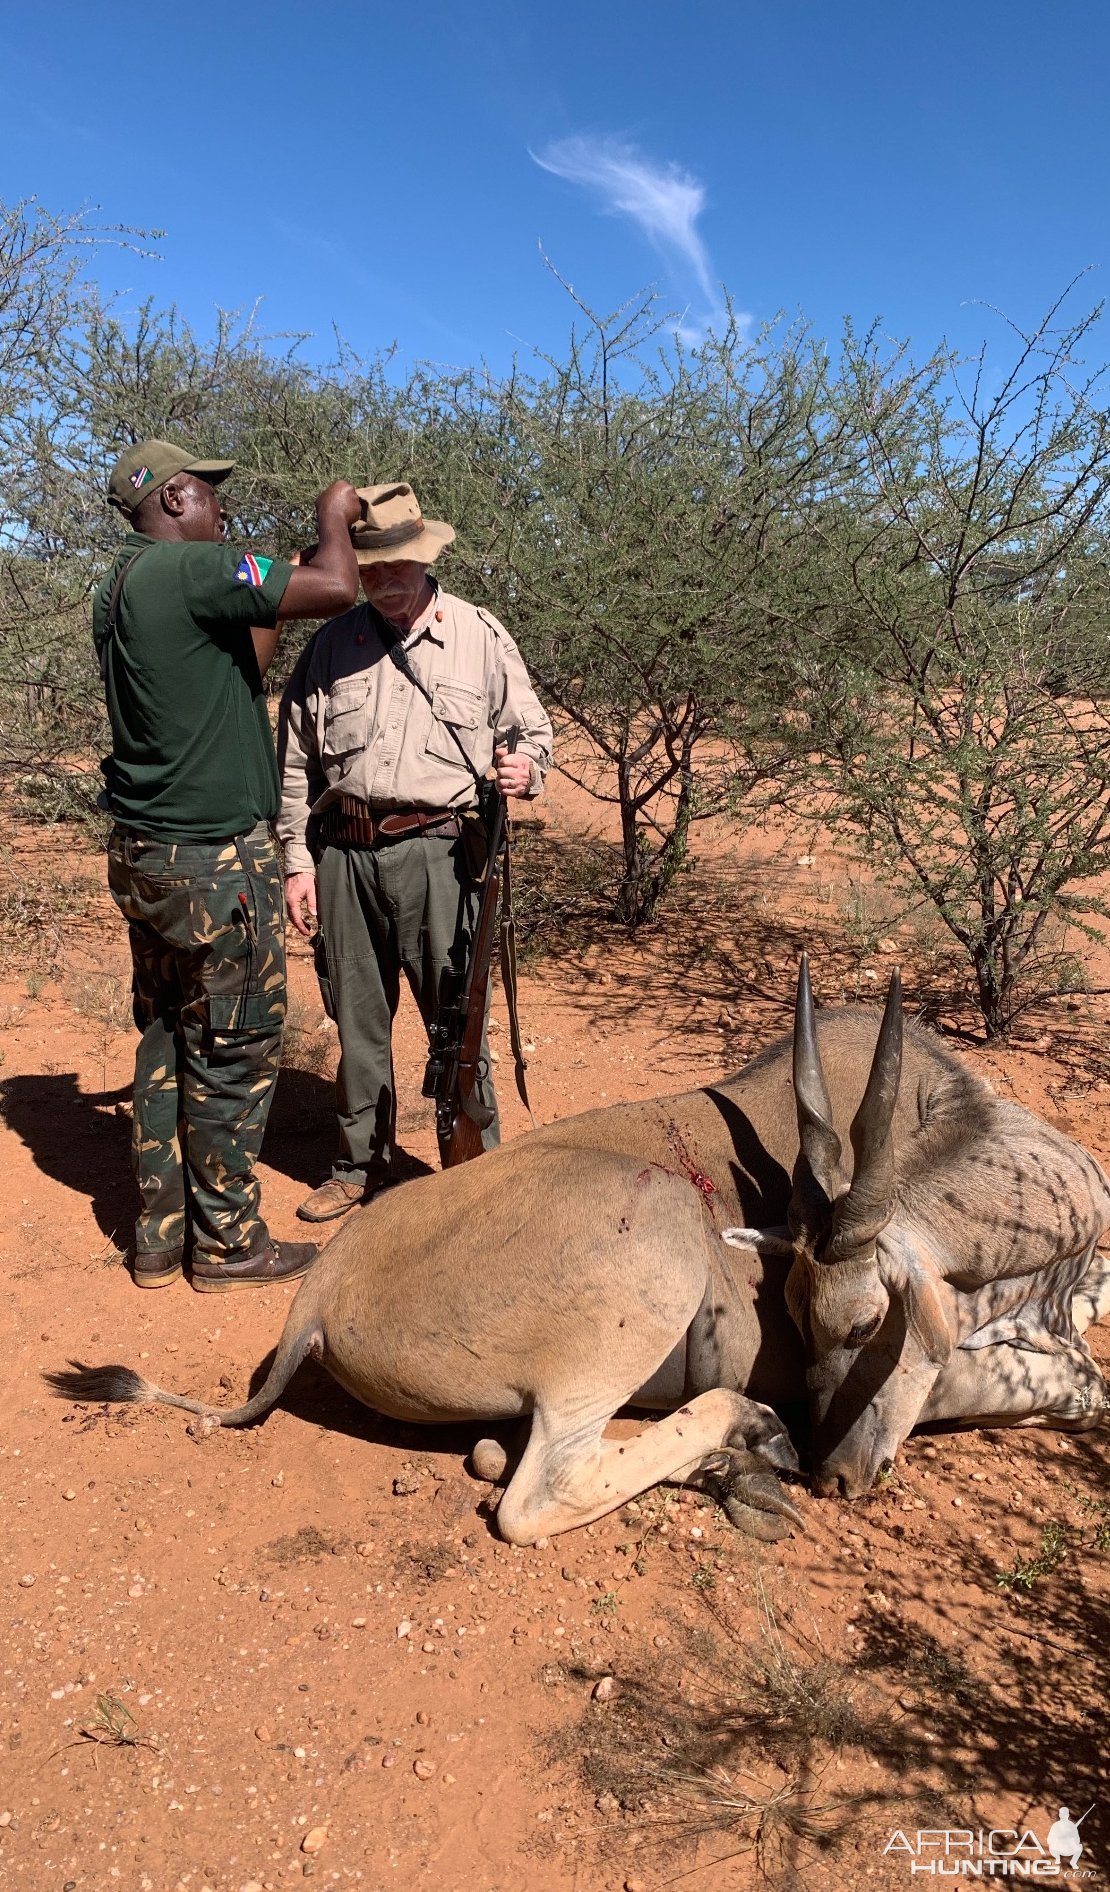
{"x": 280, "y": 1262}
{"x": 156, "y": 1267}
{"x": 334, "y": 1198}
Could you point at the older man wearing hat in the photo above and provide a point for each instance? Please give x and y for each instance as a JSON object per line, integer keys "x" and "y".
{"x": 387, "y": 727}
{"x": 185, "y": 627}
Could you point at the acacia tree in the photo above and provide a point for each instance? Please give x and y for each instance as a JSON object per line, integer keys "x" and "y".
{"x": 46, "y": 703}
{"x": 949, "y": 649}
{"x": 631, "y": 517}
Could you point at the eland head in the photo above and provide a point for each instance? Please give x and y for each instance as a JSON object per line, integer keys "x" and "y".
{"x": 869, "y": 1306}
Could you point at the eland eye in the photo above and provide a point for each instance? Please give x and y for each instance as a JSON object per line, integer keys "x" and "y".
{"x": 863, "y": 1330}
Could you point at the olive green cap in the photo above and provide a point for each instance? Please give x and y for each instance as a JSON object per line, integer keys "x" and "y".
{"x": 144, "y": 469}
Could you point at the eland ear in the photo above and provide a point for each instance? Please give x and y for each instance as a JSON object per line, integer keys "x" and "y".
{"x": 765, "y": 1241}
{"x": 928, "y": 1321}
{"x": 914, "y": 1281}
{"x": 797, "y": 1292}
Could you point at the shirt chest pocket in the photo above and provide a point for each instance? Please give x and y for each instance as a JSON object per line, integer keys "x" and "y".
{"x": 460, "y": 707}
{"x": 345, "y": 717}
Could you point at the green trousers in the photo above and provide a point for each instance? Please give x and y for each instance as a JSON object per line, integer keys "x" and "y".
{"x": 405, "y": 906}
{"x": 206, "y": 924}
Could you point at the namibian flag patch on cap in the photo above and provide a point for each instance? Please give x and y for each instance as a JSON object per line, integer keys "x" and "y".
{"x": 140, "y": 477}
{"x": 252, "y": 570}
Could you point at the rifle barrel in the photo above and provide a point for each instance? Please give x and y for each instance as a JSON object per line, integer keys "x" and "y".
{"x": 460, "y": 1067}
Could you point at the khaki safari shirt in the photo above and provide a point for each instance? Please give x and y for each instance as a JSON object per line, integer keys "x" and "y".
{"x": 353, "y": 724}
{"x": 192, "y": 755}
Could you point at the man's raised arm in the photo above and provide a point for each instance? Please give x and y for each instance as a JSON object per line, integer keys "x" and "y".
{"x": 329, "y": 584}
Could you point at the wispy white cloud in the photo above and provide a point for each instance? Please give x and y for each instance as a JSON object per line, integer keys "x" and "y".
{"x": 663, "y": 199}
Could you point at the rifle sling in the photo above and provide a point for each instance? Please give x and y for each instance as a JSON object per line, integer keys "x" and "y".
{"x": 113, "y": 611}
{"x": 508, "y": 981}
{"x": 399, "y": 657}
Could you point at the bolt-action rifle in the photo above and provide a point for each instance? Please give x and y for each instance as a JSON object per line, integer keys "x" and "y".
{"x": 455, "y": 1057}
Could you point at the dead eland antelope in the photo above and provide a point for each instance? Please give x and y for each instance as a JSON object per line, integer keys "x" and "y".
{"x": 687, "y": 1255}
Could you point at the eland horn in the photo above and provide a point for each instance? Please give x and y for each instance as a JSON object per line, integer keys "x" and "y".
{"x": 867, "y": 1208}
{"x": 819, "y": 1145}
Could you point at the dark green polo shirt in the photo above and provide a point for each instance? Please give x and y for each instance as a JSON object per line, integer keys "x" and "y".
{"x": 192, "y": 753}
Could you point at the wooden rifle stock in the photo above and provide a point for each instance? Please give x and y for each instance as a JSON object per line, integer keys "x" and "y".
{"x": 461, "y": 1115}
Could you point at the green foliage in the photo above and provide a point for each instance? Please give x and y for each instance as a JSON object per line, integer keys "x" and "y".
{"x": 1026, "y": 1572}
{"x": 950, "y": 665}
{"x": 758, "y": 573}
{"x": 633, "y": 519}
{"x": 51, "y": 520}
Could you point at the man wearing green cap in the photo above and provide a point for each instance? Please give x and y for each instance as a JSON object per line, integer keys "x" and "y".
{"x": 185, "y": 628}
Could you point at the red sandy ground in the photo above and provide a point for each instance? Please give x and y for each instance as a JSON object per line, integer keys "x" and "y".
{"x": 244, "y": 1597}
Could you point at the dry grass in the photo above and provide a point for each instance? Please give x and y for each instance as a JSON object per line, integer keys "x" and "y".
{"x": 728, "y": 1740}
{"x": 758, "y": 1816}
{"x": 113, "y": 1725}
{"x": 37, "y": 908}
{"x": 105, "y": 999}
{"x": 749, "y": 1737}
{"x": 309, "y": 1043}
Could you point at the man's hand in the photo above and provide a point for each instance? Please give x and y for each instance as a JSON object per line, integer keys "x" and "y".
{"x": 325, "y": 582}
{"x": 340, "y": 497}
{"x": 514, "y": 772}
{"x": 300, "y": 890}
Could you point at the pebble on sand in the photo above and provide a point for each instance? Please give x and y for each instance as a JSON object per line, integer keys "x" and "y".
{"x": 314, "y": 1840}
{"x": 423, "y": 1769}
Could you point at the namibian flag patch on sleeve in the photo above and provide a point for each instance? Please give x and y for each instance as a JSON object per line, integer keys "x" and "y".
{"x": 252, "y": 570}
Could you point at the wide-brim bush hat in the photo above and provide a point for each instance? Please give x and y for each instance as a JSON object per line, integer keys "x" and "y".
{"x": 393, "y": 527}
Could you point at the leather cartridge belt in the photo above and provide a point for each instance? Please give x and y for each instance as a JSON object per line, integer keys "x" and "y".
{"x": 351, "y": 823}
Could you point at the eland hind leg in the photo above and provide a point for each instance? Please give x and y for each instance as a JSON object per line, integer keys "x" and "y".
{"x": 570, "y": 1475}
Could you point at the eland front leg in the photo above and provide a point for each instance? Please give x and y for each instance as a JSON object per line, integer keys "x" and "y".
{"x": 1061, "y": 1388}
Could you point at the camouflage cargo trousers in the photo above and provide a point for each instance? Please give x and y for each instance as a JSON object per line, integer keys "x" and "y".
{"x": 206, "y": 923}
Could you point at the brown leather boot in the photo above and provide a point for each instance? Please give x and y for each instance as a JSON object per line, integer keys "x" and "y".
{"x": 157, "y": 1267}
{"x": 334, "y": 1198}
{"x": 279, "y": 1262}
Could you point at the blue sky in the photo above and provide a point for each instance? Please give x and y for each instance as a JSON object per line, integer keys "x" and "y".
{"x": 392, "y": 171}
